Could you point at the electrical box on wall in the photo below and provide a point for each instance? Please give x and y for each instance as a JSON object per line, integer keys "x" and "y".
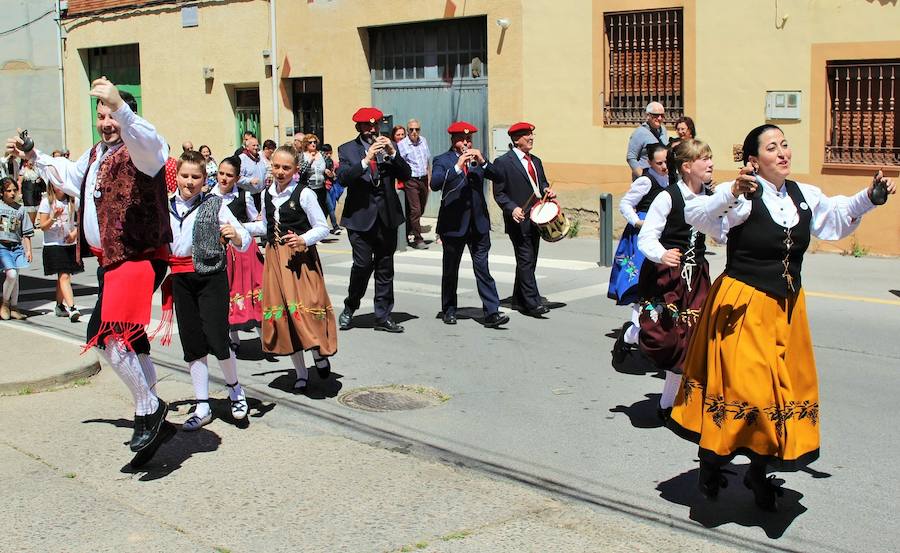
{"x": 783, "y": 104}
{"x": 499, "y": 141}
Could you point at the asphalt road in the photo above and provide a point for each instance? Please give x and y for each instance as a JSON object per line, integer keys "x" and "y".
{"x": 539, "y": 402}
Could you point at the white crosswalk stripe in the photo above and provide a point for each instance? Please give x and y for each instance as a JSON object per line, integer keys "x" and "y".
{"x": 498, "y": 259}
{"x": 506, "y": 277}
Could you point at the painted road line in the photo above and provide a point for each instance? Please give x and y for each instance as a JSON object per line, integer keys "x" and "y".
{"x": 400, "y": 286}
{"x": 543, "y": 263}
{"x": 574, "y": 294}
{"x": 505, "y": 277}
{"x": 38, "y": 291}
{"x": 848, "y": 297}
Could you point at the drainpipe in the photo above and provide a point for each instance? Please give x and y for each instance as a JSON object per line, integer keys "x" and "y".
{"x": 62, "y": 93}
{"x": 275, "y": 79}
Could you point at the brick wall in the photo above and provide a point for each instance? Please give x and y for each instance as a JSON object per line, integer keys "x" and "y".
{"x": 82, "y": 7}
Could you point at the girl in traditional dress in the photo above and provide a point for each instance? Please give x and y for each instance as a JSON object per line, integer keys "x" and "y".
{"x": 623, "y": 279}
{"x": 56, "y": 217}
{"x": 674, "y": 277}
{"x": 297, "y": 312}
{"x": 15, "y": 248}
{"x": 750, "y": 386}
{"x": 245, "y": 269}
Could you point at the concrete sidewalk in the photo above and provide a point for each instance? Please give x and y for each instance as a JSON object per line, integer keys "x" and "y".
{"x": 282, "y": 483}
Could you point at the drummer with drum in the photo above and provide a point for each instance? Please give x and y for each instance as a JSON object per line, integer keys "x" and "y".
{"x": 519, "y": 185}
{"x": 463, "y": 220}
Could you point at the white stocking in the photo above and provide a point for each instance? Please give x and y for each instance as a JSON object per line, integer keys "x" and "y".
{"x": 299, "y": 365}
{"x": 631, "y": 335}
{"x": 229, "y": 369}
{"x": 149, "y": 370}
{"x": 10, "y": 285}
{"x": 670, "y": 389}
{"x": 200, "y": 378}
{"x": 234, "y": 337}
{"x": 125, "y": 363}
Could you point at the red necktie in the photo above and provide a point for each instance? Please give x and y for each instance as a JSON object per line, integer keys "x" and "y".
{"x": 531, "y": 172}
{"x": 374, "y": 167}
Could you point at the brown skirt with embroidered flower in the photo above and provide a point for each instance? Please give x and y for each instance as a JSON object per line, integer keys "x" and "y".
{"x": 670, "y": 308}
{"x": 297, "y": 312}
{"x": 749, "y": 385}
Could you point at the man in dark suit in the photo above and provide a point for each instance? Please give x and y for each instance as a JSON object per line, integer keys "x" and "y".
{"x": 463, "y": 221}
{"x": 369, "y": 165}
{"x": 519, "y": 182}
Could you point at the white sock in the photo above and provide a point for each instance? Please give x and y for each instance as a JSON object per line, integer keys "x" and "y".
{"x": 12, "y": 278}
{"x": 149, "y": 370}
{"x": 200, "y": 378}
{"x": 631, "y": 335}
{"x": 300, "y": 365}
{"x": 229, "y": 369}
{"x": 670, "y": 389}
{"x": 126, "y": 364}
{"x": 234, "y": 337}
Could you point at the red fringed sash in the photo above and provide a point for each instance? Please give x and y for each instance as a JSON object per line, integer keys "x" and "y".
{"x": 177, "y": 265}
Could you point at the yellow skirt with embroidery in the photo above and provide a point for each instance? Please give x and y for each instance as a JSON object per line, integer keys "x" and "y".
{"x": 297, "y": 312}
{"x": 749, "y": 385}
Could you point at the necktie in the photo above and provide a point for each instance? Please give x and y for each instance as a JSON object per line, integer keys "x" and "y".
{"x": 373, "y": 165}
{"x": 531, "y": 172}
{"x": 465, "y": 168}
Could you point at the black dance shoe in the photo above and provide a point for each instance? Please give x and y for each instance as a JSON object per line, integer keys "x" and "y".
{"x": 495, "y": 320}
{"x": 146, "y": 427}
{"x": 765, "y": 491}
{"x": 664, "y": 414}
{"x": 346, "y": 319}
{"x": 449, "y": 317}
{"x": 388, "y": 325}
{"x": 621, "y": 347}
{"x": 166, "y": 432}
{"x": 323, "y": 368}
{"x": 711, "y": 479}
{"x": 538, "y": 311}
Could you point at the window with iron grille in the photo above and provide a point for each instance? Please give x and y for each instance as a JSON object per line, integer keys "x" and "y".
{"x": 644, "y": 64}
{"x": 429, "y": 51}
{"x": 862, "y": 128}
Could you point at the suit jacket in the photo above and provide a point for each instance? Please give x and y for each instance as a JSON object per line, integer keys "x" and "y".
{"x": 512, "y": 187}
{"x": 462, "y": 199}
{"x": 364, "y": 203}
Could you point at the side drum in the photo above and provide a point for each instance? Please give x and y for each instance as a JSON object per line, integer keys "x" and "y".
{"x": 552, "y": 223}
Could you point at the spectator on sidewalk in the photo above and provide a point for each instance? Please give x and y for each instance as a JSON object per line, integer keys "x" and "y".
{"x": 187, "y": 146}
{"x": 56, "y": 218}
{"x": 414, "y": 150}
{"x": 649, "y": 132}
{"x": 31, "y": 187}
{"x": 211, "y": 166}
{"x": 334, "y": 188}
{"x": 16, "y": 231}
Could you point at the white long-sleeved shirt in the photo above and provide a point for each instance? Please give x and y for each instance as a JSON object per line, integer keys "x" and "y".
{"x": 249, "y": 205}
{"x": 655, "y": 221}
{"x": 147, "y": 149}
{"x": 632, "y": 198}
{"x": 833, "y": 217}
{"x": 253, "y": 169}
{"x": 308, "y": 202}
{"x": 182, "y": 244}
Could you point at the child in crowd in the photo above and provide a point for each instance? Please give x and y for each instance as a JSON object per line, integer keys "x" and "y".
{"x": 198, "y": 284}
{"x": 245, "y": 268}
{"x": 15, "y": 248}
{"x": 56, "y": 217}
{"x": 334, "y": 188}
{"x": 297, "y": 312}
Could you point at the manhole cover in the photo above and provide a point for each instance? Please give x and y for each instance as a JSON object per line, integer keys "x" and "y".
{"x": 397, "y": 397}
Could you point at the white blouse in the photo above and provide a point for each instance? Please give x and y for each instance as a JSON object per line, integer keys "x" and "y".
{"x": 655, "y": 221}
{"x": 249, "y": 205}
{"x": 182, "y": 244}
{"x": 833, "y": 217}
{"x": 308, "y": 202}
{"x": 629, "y": 201}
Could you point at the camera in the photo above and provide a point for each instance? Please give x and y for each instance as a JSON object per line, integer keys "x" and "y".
{"x": 27, "y": 142}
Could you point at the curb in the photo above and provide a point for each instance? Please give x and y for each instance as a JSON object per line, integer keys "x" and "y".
{"x": 85, "y": 369}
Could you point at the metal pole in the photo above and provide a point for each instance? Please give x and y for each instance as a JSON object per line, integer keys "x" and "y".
{"x": 275, "y": 109}
{"x": 62, "y": 93}
{"x": 605, "y": 230}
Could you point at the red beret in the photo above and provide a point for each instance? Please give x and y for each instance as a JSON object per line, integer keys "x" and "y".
{"x": 521, "y": 127}
{"x": 367, "y": 115}
{"x": 461, "y": 127}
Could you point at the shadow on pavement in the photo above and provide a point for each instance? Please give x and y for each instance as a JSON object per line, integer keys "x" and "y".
{"x": 368, "y": 320}
{"x": 316, "y": 388}
{"x": 642, "y": 413}
{"x": 733, "y": 506}
{"x": 474, "y": 313}
{"x": 251, "y": 350}
{"x": 172, "y": 454}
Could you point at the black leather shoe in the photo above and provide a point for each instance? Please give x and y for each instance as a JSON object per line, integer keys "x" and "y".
{"x": 765, "y": 491}
{"x": 664, "y": 414}
{"x": 420, "y": 246}
{"x": 621, "y": 347}
{"x": 449, "y": 317}
{"x": 711, "y": 479}
{"x": 496, "y": 319}
{"x": 166, "y": 433}
{"x": 538, "y": 311}
{"x": 346, "y": 319}
{"x": 149, "y": 426}
{"x": 388, "y": 325}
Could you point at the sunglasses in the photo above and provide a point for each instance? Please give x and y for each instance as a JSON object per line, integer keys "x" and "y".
{"x": 312, "y": 142}
{"x": 414, "y": 129}
{"x": 657, "y": 115}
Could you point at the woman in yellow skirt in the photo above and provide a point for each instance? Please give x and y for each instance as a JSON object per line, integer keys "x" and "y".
{"x": 750, "y": 385}
{"x": 297, "y": 312}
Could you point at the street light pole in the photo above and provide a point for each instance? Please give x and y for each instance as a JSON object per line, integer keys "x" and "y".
{"x": 62, "y": 92}
{"x": 274, "y": 58}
